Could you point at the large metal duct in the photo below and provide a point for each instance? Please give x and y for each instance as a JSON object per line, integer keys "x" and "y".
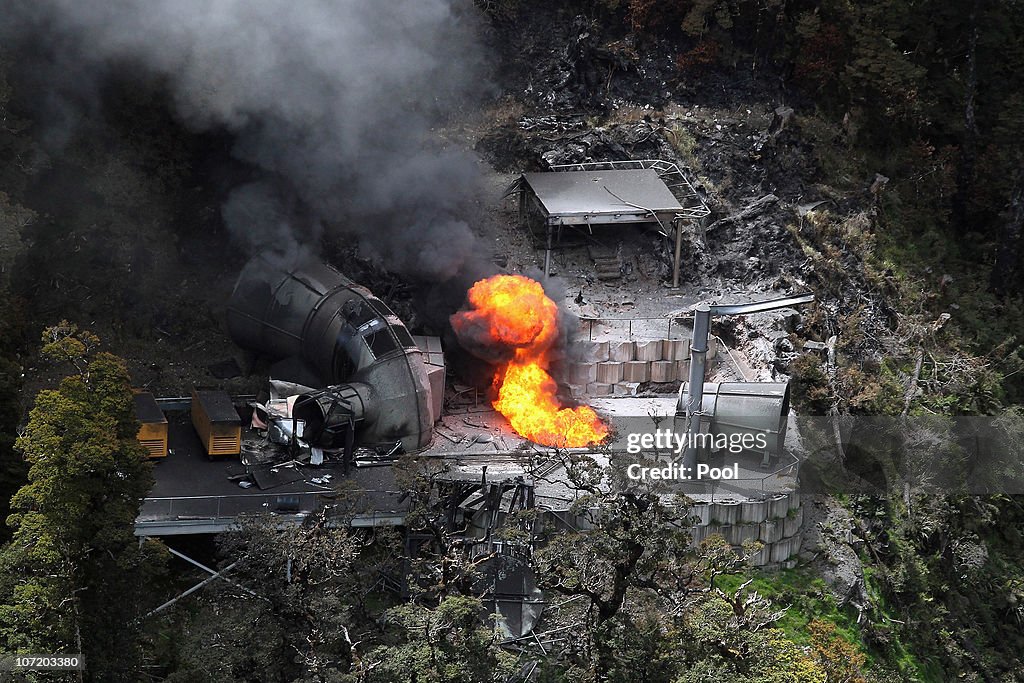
{"x": 743, "y": 408}
{"x": 690, "y": 401}
{"x": 377, "y": 380}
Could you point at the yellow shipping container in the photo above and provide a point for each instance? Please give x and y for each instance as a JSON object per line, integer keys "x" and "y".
{"x": 216, "y": 422}
{"x": 153, "y": 432}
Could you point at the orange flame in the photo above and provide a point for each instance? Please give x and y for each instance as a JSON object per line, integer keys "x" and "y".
{"x": 516, "y": 313}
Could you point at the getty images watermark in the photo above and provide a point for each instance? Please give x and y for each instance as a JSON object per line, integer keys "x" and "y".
{"x": 668, "y": 442}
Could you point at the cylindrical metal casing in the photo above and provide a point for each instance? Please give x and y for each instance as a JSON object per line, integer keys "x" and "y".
{"x": 744, "y": 408}
{"x": 345, "y": 334}
{"x": 330, "y": 413}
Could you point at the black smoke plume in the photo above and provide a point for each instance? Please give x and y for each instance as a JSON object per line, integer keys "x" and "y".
{"x": 333, "y": 101}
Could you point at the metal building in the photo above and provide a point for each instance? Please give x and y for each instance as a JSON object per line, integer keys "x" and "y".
{"x": 581, "y": 196}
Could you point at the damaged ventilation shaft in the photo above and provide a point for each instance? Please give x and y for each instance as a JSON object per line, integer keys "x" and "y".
{"x": 376, "y": 389}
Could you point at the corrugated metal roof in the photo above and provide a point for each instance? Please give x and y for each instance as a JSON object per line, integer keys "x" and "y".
{"x": 573, "y": 193}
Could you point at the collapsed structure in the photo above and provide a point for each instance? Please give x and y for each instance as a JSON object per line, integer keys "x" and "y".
{"x": 371, "y": 382}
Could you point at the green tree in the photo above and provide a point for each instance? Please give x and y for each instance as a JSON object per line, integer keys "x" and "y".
{"x": 74, "y": 575}
{"x": 288, "y": 610}
{"x": 444, "y": 644}
{"x": 13, "y": 468}
{"x": 716, "y": 644}
{"x": 627, "y": 567}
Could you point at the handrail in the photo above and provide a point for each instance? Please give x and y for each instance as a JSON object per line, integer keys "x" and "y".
{"x": 265, "y": 494}
{"x": 593, "y": 320}
{"x": 229, "y": 506}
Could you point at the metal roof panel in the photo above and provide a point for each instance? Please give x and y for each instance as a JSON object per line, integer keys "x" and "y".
{"x": 602, "y": 192}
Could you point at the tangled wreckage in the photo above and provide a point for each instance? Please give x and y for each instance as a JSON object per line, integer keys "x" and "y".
{"x": 372, "y": 386}
{"x": 351, "y": 392}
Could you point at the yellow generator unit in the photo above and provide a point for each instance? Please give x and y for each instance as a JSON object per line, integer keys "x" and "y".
{"x": 153, "y": 432}
{"x": 216, "y": 422}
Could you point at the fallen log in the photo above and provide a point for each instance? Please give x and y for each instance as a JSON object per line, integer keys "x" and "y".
{"x": 751, "y": 210}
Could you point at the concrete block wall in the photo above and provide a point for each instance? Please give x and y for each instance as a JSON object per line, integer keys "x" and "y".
{"x": 737, "y": 522}
{"x": 617, "y": 367}
{"x": 777, "y": 522}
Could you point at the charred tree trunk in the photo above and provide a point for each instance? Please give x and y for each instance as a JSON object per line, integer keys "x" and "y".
{"x": 969, "y": 147}
{"x": 1006, "y": 275}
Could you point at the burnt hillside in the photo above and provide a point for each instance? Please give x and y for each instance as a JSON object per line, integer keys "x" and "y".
{"x": 870, "y": 153}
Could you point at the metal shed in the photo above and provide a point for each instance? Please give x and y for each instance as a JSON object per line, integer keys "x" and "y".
{"x": 609, "y": 193}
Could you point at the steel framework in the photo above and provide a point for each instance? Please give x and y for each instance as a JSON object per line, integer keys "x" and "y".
{"x": 690, "y": 206}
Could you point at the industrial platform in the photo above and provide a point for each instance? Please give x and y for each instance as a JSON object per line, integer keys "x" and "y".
{"x": 196, "y": 494}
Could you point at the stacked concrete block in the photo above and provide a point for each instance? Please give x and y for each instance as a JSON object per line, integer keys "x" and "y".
{"x": 636, "y": 371}
{"x": 675, "y": 349}
{"x": 599, "y": 389}
{"x": 583, "y": 374}
{"x": 761, "y": 557}
{"x": 632, "y": 361}
{"x": 593, "y": 351}
{"x": 793, "y": 522}
{"x": 608, "y": 373}
{"x": 738, "y": 534}
{"x": 702, "y": 512}
{"x": 699, "y": 533}
{"x": 753, "y": 511}
{"x": 663, "y": 371}
{"x": 784, "y": 549}
{"x": 778, "y": 506}
{"x": 649, "y": 365}
{"x": 648, "y": 350}
{"x": 725, "y": 512}
{"x": 682, "y": 370}
{"x": 745, "y": 520}
{"x": 621, "y": 351}
{"x": 770, "y": 531}
{"x": 625, "y": 388}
